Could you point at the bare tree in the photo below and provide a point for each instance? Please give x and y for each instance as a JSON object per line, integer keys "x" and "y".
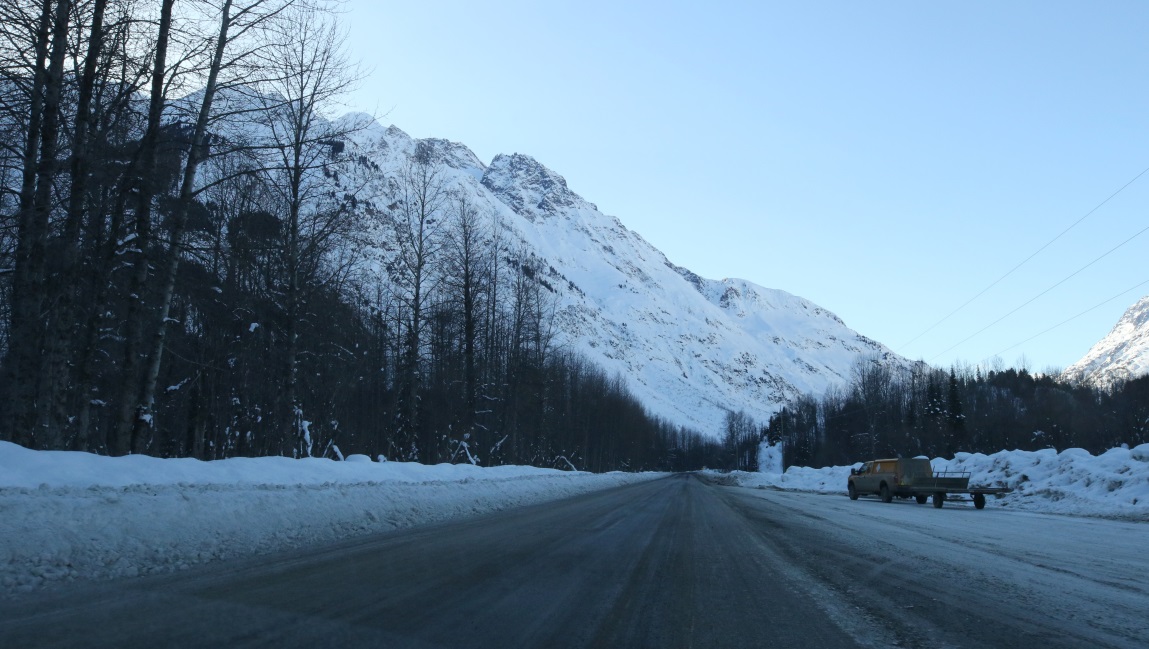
{"x": 234, "y": 48}
{"x": 415, "y": 224}
{"x": 872, "y": 381}
{"x": 26, "y": 380}
{"x": 310, "y": 71}
{"x": 467, "y": 270}
{"x": 72, "y": 120}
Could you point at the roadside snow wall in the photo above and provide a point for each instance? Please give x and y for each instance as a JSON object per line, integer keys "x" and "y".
{"x": 66, "y": 515}
{"x": 1114, "y": 484}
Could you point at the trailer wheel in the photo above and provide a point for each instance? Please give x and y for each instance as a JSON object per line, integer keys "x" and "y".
{"x": 979, "y": 501}
{"x": 886, "y": 495}
{"x": 921, "y": 498}
{"x": 939, "y": 499}
{"x": 853, "y": 492}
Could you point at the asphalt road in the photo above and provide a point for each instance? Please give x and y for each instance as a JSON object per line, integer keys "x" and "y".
{"x": 675, "y": 562}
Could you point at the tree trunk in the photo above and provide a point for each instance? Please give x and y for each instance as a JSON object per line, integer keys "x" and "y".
{"x": 23, "y": 346}
{"x": 143, "y": 424}
{"x": 121, "y": 442}
{"x": 33, "y": 403}
{"x": 64, "y": 284}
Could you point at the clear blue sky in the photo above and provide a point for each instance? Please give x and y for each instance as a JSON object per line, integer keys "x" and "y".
{"x": 886, "y": 160}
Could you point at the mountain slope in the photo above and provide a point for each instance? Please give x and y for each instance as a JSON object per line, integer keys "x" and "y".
{"x": 1121, "y": 355}
{"x": 690, "y": 348}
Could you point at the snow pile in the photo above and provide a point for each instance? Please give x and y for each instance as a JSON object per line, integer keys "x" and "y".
{"x": 1114, "y": 484}
{"x": 66, "y": 515}
{"x": 770, "y": 458}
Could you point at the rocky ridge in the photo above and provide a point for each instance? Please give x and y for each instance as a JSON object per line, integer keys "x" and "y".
{"x": 689, "y": 348}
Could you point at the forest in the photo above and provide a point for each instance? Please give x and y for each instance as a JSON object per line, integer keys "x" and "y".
{"x": 180, "y": 275}
{"x": 889, "y": 412}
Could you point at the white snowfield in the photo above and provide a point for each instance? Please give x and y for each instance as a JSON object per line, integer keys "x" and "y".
{"x": 1114, "y": 484}
{"x": 69, "y": 515}
{"x": 690, "y": 348}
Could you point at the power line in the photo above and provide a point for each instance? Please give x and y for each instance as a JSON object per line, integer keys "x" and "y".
{"x": 1067, "y": 321}
{"x": 867, "y": 407}
{"x": 1030, "y": 300}
{"x": 1024, "y": 262}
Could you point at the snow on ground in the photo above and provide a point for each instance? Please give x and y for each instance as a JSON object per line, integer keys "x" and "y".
{"x": 1114, "y": 484}
{"x": 770, "y": 458}
{"x": 67, "y": 515}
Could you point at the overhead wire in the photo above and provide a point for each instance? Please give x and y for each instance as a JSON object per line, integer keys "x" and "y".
{"x": 1068, "y": 320}
{"x": 1032, "y": 299}
{"x": 1059, "y": 283}
{"x": 1023, "y": 262}
{"x": 867, "y": 407}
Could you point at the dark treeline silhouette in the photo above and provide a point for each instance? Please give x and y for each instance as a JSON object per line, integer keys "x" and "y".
{"x": 182, "y": 270}
{"x": 741, "y": 439}
{"x": 886, "y": 412}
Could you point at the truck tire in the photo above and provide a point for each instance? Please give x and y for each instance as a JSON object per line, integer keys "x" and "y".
{"x": 939, "y": 499}
{"x": 853, "y": 491}
{"x": 979, "y": 501}
{"x": 886, "y": 495}
{"x": 921, "y": 498}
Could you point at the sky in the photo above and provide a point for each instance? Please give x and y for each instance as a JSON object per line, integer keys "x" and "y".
{"x": 893, "y": 162}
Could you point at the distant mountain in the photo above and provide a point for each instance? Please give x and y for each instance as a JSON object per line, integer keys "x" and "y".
{"x": 1119, "y": 356}
{"x": 689, "y": 348}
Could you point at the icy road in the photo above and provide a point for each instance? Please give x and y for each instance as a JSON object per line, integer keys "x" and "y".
{"x": 676, "y": 562}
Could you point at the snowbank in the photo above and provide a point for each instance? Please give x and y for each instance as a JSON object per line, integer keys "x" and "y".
{"x": 769, "y": 458}
{"x": 66, "y": 515}
{"x": 1114, "y": 484}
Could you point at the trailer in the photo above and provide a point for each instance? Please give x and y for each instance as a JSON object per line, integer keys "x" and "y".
{"x": 944, "y": 484}
{"x": 915, "y": 478}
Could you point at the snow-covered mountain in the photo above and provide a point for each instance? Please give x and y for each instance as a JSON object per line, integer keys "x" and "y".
{"x": 1119, "y": 356}
{"x": 690, "y": 348}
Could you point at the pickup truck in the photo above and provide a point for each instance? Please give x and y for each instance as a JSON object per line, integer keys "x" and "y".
{"x": 914, "y": 478}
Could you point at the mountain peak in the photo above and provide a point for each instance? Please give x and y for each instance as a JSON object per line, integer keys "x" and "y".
{"x": 1121, "y": 355}
{"x": 395, "y": 133}
{"x": 451, "y": 154}
{"x": 1138, "y": 314}
{"x": 689, "y": 348}
{"x": 528, "y": 187}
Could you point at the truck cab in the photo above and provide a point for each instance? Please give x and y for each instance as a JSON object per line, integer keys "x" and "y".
{"x": 888, "y": 478}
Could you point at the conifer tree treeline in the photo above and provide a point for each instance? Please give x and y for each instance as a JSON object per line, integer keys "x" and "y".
{"x": 180, "y": 271}
{"x": 936, "y": 413}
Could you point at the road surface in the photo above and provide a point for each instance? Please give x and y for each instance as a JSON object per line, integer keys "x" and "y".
{"x": 678, "y": 562}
